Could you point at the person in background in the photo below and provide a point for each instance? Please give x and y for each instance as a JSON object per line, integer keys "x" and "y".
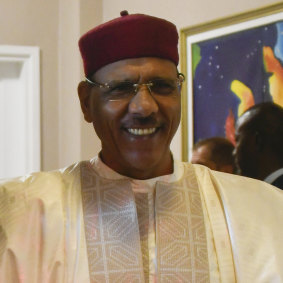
{"x": 259, "y": 143}
{"x": 134, "y": 213}
{"x": 216, "y": 153}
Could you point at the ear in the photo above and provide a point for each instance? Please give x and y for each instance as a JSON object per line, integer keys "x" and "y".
{"x": 182, "y": 76}
{"x": 84, "y": 91}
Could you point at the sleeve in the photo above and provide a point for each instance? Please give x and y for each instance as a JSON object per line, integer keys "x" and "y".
{"x": 254, "y": 215}
{"x": 31, "y": 244}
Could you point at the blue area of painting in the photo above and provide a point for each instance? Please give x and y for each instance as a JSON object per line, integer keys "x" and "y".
{"x": 279, "y": 44}
{"x": 236, "y": 56}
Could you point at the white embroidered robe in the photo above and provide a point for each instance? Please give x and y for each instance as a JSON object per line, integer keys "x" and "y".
{"x": 47, "y": 233}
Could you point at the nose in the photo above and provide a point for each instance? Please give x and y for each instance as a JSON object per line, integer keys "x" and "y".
{"x": 143, "y": 103}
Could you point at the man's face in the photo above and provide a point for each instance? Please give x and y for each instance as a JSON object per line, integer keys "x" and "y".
{"x": 245, "y": 149}
{"x": 202, "y": 155}
{"x": 135, "y": 130}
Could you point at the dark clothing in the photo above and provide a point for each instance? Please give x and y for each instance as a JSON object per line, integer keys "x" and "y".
{"x": 278, "y": 182}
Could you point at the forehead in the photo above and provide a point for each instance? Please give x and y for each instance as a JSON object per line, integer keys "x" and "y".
{"x": 144, "y": 68}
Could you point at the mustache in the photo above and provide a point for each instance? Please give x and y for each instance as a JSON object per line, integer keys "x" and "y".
{"x": 142, "y": 121}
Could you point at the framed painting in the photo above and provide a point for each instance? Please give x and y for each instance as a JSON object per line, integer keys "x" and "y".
{"x": 230, "y": 64}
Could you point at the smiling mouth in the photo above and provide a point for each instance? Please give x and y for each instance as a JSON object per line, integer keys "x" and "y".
{"x": 142, "y": 132}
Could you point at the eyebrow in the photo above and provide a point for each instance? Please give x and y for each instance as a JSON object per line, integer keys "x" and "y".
{"x": 121, "y": 81}
{"x": 161, "y": 78}
{"x": 146, "y": 80}
{"x": 136, "y": 80}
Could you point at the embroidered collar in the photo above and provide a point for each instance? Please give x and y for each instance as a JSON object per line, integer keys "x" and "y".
{"x": 106, "y": 172}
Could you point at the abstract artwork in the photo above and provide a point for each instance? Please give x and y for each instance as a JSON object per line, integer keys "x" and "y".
{"x": 230, "y": 65}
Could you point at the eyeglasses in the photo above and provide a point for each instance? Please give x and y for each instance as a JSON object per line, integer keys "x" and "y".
{"x": 122, "y": 89}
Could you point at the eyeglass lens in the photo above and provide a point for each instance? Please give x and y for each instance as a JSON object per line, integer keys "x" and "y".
{"x": 160, "y": 86}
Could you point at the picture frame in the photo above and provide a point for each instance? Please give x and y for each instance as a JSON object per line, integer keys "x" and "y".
{"x": 229, "y": 66}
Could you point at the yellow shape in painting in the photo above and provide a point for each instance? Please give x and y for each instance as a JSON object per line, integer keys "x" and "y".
{"x": 272, "y": 65}
{"x": 245, "y": 95}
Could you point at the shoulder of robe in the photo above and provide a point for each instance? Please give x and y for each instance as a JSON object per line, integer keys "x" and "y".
{"x": 232, "y": 181}
{"x": 40, "y": 180}
{"x": 245, "y": 184}
{"x": 242, "y": 192}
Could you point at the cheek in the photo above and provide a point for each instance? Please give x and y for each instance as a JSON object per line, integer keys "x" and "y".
{"x": 115, "y": 107}
{"x": 107, "y": 117}
{"x": 172, "y": 114}
{"x": 172, "y": 111}
{"x": 107, "y": 110}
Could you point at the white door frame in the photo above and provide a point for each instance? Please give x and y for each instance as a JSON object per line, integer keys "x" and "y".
{"x": 29, "y": 58}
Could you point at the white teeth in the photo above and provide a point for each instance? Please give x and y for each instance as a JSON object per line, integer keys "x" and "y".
{"x": 142, "y": 132}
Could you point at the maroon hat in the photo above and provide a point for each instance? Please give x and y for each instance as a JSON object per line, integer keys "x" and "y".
{"x": 129, "y": 36}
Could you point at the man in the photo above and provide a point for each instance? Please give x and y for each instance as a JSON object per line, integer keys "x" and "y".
{"x": 216, "y": 153}
{"x": 133, "y": 214}
{"x": 259, "y": 150}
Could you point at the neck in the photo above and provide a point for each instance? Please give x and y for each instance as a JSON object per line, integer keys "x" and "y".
{"x": 165, "y": 167}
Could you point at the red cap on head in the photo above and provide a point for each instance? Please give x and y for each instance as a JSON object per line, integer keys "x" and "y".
{"x": 129, "y": 36}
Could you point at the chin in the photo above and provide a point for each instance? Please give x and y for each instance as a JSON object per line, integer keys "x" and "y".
{"x": 146, "y": 162}
{"x": 142, "y": 162}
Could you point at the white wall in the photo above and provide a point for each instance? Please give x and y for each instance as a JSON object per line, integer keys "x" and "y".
{"x": 35, "y": 23}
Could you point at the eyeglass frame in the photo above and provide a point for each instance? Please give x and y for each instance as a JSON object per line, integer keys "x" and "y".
{"x": 180, "y": 79}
